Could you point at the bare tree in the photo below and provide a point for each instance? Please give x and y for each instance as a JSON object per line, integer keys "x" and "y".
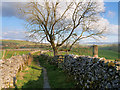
{"x": 58, "y": 22}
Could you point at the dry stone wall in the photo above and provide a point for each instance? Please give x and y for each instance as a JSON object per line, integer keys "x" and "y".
{"x": 90, "y": 72}
{"x": 10, "y": 67}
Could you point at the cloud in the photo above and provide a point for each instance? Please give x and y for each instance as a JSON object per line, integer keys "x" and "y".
{"x": 113, "y": 30}
{"x": 14, "y": 35}
{"x": 111, "y": 0}
{"x": 10, "y": 9}
{"x": 111, "y": 14}
{"x": 111, "y": 36}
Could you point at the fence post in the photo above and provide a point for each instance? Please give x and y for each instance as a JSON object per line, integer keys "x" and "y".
{"x": 95, "y": 51}
{"x": 30, "y": 59}
{"x": 3, "y": 56}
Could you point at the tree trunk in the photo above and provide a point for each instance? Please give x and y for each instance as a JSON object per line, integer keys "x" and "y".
{"x": 70, "y": 48}
{"x": 55, "y": 51}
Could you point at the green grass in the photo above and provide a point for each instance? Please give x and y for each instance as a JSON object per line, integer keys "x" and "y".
{"x": 108, "y": 54}
{"x": 75, "y": 51}
{"x": 82, "y": 51}
{"x": 102, "y": 52}
{"x": 52, "y": 54}
{"x": 113, "y": 47}
{"x": 31, "y": 78}
{"x": 57, "y": 78}
{"x": 0, "y": 54}
{"x": 36, "y": 53}
{"x": 8, "y": 54}
{"x": 107, "y": 51}
{"x": 17, "y": 42}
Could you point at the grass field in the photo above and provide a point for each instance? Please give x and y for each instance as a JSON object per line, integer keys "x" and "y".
{"x": 82, "y": 51}
{"x": 8, "y": 54}
{"x": 108, "y": 54}
{"x": 112, "y": 47}
{"x": 102, "y": 52}
{"x": 15, "y": 44}
{"x": 108, "y": 51}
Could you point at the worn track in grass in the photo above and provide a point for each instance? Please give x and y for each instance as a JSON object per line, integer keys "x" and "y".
{"x": 46, "y": 83}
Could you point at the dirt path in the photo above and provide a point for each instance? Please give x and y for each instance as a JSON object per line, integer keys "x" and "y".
{"x": 46, "y": 83}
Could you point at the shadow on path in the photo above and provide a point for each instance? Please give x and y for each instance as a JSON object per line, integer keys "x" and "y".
{"x": 32, "y": 78}
{"x": 34, "y": 83}
{"x": 42, "y": 82}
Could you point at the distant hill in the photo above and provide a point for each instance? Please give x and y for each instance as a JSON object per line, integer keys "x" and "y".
{"x": 113, "y": 47}
{"x": 15, "y": 44}
{"x": 100, "y": 43}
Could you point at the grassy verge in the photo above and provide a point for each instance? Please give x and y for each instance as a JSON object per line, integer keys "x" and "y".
{"x": 59, "y": 53}
{"x": 31, "y": 77}
{"x": 57, "y": 78}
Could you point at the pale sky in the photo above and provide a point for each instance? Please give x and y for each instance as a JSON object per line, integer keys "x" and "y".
{"x": 13, "y": 27}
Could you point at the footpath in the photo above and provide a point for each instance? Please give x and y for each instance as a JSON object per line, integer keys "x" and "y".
{"x": 46, "y": 83}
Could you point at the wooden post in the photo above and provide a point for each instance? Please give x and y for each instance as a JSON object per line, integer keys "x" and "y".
{"x": 3, "y": 56}
{"x": 30, "y": 59}
{"x": 14, "y": 81}
{"x": 95, "y": 51}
